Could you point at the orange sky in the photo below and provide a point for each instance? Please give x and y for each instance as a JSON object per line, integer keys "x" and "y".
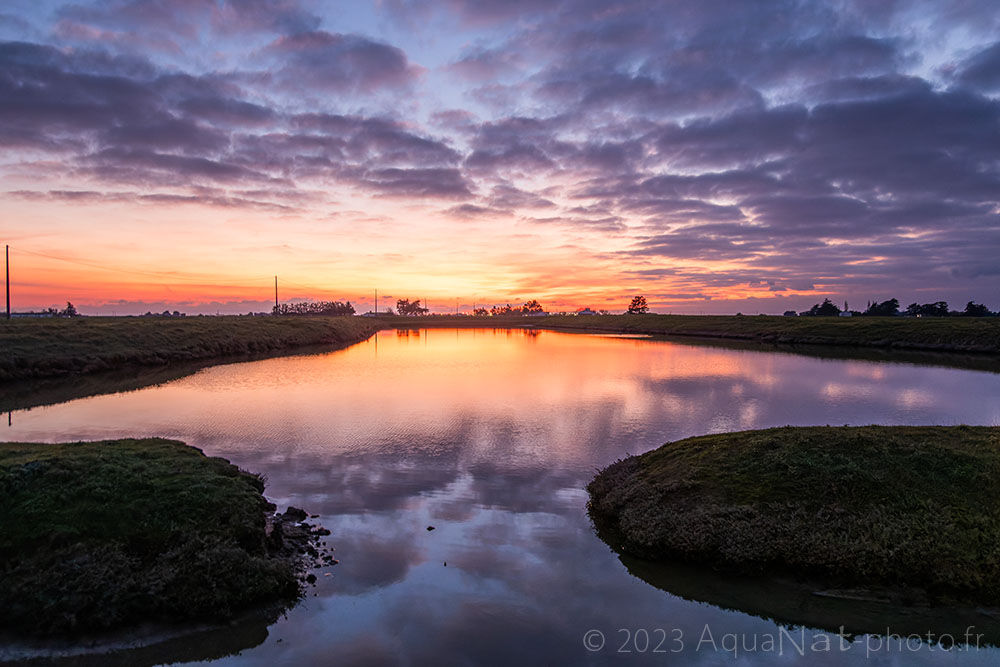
{"x": 201, "y": 258}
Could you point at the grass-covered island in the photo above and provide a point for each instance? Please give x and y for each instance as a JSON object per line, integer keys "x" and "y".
{"x": 51, "y": 347}
{"x": 106, "y": 535}
{"x": 915, "y": 510}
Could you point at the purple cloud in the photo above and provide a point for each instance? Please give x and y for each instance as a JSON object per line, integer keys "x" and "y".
{"x": 336, "y": 62}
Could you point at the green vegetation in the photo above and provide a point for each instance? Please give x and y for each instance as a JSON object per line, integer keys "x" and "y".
{"x": 98, "y": 535}
{"x": 34, "y": 348}
{"x": 959, "y": 334}
{"x": 900, "y": 507}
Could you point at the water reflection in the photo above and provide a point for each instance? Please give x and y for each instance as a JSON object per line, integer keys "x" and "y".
{"x": 490, "y": 436}
{"x": 793, "y": 602}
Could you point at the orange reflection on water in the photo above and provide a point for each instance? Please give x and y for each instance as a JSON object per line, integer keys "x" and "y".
{"x": 534, "y": 395}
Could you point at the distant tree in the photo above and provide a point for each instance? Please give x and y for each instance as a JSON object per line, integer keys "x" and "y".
{"x": 532, "y": 307}
{"x": 409, "y": 308}
{"x": 497, "y": 311}
{"x": 69, "y": 311}
{"x": 888, "y": 308}
{"x": 936, "y": 309}
{"x": 314, "y": 308}
{"x": 604, "y": 311}
{"x": 481, "y": 312}
{"x": 388, "y": 311}
{"x": 973, "y": 309}
{"x": 638, "y": 306}
{"x": 825, "y": 309}
{"x": 790, "y": 313}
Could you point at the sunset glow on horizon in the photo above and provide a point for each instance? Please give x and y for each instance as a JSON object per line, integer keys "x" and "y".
{"x": 715, "y": 157}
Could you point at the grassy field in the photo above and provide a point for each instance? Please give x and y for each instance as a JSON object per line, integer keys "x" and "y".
{"x": 944, "y": 334}
{"x": 98, "y": 535}
{"x": 45, "y": 348}
{"x": 913, "y": 508}
{"x": 36, "y": 348}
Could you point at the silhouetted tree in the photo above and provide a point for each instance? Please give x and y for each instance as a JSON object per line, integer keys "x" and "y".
{"x": 69, "y": 311}
{"x": 496, "y": 311}
{"x": 825, "y": 309}
{"x": 973, "y": 309}
{"x": 410, "y": 308}
{"x": 481, "y": 312}
{"x": 888, "y": 308}
{"x": 638, "y": 306}
{"x": 936, "y": 309}
{"x": 532, "y": 307}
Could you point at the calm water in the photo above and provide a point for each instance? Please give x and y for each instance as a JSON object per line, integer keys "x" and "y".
{"x": 490, "y": 436}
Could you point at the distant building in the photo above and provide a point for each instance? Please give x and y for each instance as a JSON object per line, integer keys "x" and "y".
{"x": 538, "y": 313}
{"x": 846, "y": 313}
{"x": 586, "y": 311}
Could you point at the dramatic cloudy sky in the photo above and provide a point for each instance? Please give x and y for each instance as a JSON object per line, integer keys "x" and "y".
{"x": 713, "y": 155}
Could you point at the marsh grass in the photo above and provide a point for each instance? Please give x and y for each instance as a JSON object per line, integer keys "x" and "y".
{"x": 955, "y": 334}
{"x": 36, "y": 348}
{"x": 870, "y": 506}
{"x": 99, "y": 535}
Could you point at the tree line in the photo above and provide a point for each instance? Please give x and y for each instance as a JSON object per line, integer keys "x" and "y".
{"x": 527, "y": 308}
{"x": 314, "y": 308}
{"x": 890, "y": 308}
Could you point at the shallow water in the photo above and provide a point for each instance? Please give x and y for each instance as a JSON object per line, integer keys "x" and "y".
{"x": 490, "y": 437}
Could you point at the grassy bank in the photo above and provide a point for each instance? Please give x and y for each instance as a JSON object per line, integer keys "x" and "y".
{"x": 36, "y": 348}
{"x": 100, "y": 535}
{"x": 912, "y": 508}
{"x": 941, "y": 334}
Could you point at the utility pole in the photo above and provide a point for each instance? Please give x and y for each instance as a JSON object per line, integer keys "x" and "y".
{"x": 276, "y": 295}
{"x": 7, "y": 253}
{"x": 376, "y": 301}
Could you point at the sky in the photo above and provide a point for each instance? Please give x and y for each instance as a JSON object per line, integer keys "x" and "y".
{"x": 715, "y": 156}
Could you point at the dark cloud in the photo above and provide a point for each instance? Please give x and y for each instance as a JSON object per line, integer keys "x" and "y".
{"x": 670, "y": 93}
{"x": 388, "y": 140}
{"x": 482, "y": 63}
{"x": 417, "y": 183}
{"x": 982, "y": 70}
{"x": 732, "y": 141}
{"x": 167, "y": 134}
{"x": 336, "y": 62}
{"x": 611, "y": 224}
{"x": 457, "y": 120}
{"x": 478, "y": 13}
{"x": 228, "y": 111}
{"x": 471, "y": 211}
{"x": 861, "y": 88}
{"x": 187, "y": 19}
{"x": 216, "y": 198}
{"x": 507, "y": 196}
{"x": 147, "y": 167}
